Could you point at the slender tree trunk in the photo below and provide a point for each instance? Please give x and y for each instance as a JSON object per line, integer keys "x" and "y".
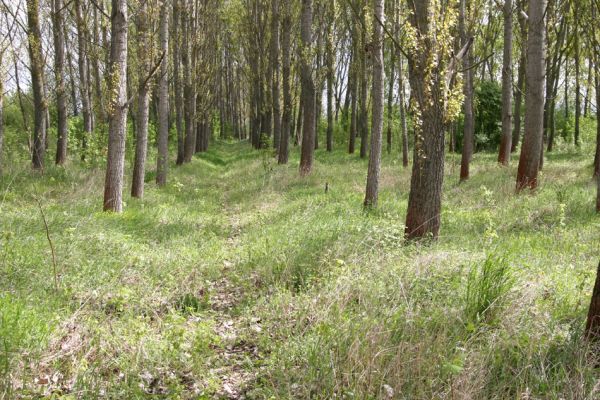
{"x": 117, "y": 122}
{"x": 178, "y": 87}
{"x": 372, "y": 190}
{"x": 143, "y": 102}
{"x": 71, "y": 73}
{"x": 576, "y": 134}
{"x": 61, "y": 90}
{"x": 84, "y": 90}
{"x": 352, "y": 92}
{"x": 467, "y": 150}
{"x": 275, "y": 68}
{"x": 363, "y": 113}
{"x": 286, "y": 27}
{"x": 390, "y": 100}
{"x": 520, "y": 89}
{"x": 505, "y": 144}
{"x": 597, "y": 152}
{"x": 1, "y": 120}
{"x": 403, "y": 117}
{"x": 308, "y": 90}
{"x": 162, "y": 159}
{"x": 330, "y": 56}
{"x": 189, "y": 85}
{"x": 527, "y": 175}
{"x": 34, "y": 37}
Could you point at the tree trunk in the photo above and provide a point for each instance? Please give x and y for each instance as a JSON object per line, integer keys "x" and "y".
{"x": 178, "y": 89}
{"x": 592, "y": 326}
{"x": 61, "y": 90}
{"x": 467, "y": 150}
{"x": 352, "y": 92}
{"x": 275, "y": 68}
{"x": 390, "y": 105}
{"x": 403, "y": 117}
{"x": 1, "y": 120}
{"x": 520, "y": 89}
{"x": 117, "y": 122}
{"x": 162, "y": 159}
{"x": 308, "y": 90}
{"x": 372, "y": 190}
{"x": 143, "y": 102}
{"x": 529, "y": 160}
{"x": 84, "y": 89}
{"x": 505, "y": 144}
{"x": 576, "y": 134}
{"x": 34, "y": 37}
{"x": 329, "y": 57}
{"x": 363, "y": 113}
{"x": 189, "y": 84}
{"x": 286, "y": 27}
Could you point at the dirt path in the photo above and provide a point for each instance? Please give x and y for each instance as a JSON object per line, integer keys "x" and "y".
{"x": 238, "y": 354}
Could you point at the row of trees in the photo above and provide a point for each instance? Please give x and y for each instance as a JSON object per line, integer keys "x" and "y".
{"x": 272, "y": 71}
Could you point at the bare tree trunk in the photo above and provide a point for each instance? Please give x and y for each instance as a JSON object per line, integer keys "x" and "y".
{"x": 61, "y": 90}
{"x": 308, "y": 90}
{"x": 143, "y": 101}
{"x": 505, "y": 144}
{"x": 352, "y": 92}
{"x": 372, "y": 190}
{"x": 286, "y": 27}
{"x": 162, "y": 159}
{"x": 520, "y": 89}
{"x": 84, "y": 89}
{"x": 1, "y": 120}
{"x": 117, "y": 122}
{"x": 467, "y": 150}
{"x": 189, "y": 84}
{"x": 592, "y": 326}
{"x": 534, "y": 101}
{"x": 577, "y": 76}
{"x": 34, "y": 37}
{"x": 329, "y": 57}
{"x": 177, "y": 81}
{"x": 275, "y": 68}
{"x": 403, "y": 117}
{"x": 363, "y": 113}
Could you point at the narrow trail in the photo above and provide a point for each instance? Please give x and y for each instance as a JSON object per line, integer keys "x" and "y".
{"x": 237, "y": 354}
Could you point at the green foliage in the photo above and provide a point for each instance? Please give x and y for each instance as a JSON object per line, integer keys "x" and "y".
{"x": 487, "y": 287}
{"x": 488, "y": 115}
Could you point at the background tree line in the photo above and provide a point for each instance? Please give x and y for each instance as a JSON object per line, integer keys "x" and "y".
{"x": 107, "y": 81}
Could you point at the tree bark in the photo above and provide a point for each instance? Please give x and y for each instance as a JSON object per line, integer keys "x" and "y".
{"x": 286, "y": 27}
{"x": 527, "y": 175}
{"x": 143, "y": 101}
{"x": 363, "y": 113}
{"x": 84, "y": 87}
{"x": 505, "y": 143}
{"x": 1, "y": 120}
{"x": 275, "y": 69}
{"x": 34, "y": 37}
{"x": 520, "y": 89}
{"x": 189, "y": 84}
{"x": 117, "y": 122}
{"x": 403, "y": 116}
{"x": 330, "y": 57}
{"x": 469, "y": 127}
{"x": 308, "y": 90}
{"x": 61, "y": 90}
{"x": 177, "y": 84}
{"x": 162, "y": 159}
{"x": 372, "y": 190}
{"x": 592, "y": 326}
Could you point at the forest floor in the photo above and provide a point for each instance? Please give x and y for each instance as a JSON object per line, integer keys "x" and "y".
{"x": 242, "y": 280}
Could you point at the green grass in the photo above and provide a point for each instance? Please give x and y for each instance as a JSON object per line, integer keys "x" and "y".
{"x": 240, "y": 276}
